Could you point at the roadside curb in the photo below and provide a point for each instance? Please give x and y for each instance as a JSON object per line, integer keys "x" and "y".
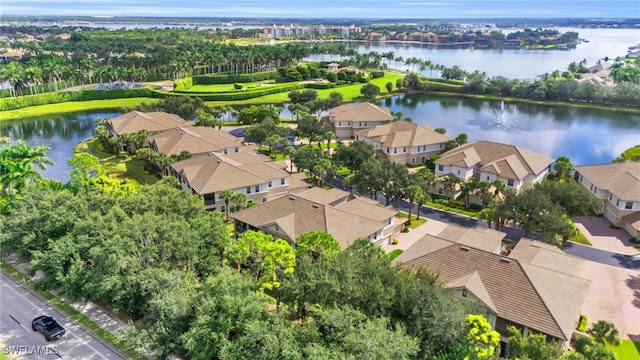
{"x": 71, "y": 318}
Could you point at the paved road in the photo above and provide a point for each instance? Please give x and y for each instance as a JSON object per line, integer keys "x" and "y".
{"x": 18, "y": 306}
{"x": 603, "y": 256}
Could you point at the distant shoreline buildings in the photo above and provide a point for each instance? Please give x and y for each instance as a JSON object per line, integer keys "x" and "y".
{"x": 275, "y": 31}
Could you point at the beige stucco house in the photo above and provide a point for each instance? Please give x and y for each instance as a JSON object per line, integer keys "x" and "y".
{"x": 153, "y": 122}
{"x": 404, "y": 142}
{"x": 249, "y": 173}
{"x": 617, "y": 185}
{"x": 517, "y": 167}
{"x": 196, "y": 140}
{"x": 536, "y": 288}
{"x": 345, "y": 216}
{"x": 346, "y": 119}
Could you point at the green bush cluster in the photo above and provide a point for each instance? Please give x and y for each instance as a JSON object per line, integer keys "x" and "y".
{"x": 183, "y": 84}
{"x": 446, "y": 81}
{"x": 239, "y": 95}
{"x": 582, "y": 327}
{"x": 439, "y": 86}
{"x": 377, "y": 74}
{"x": 320, "y": 86}
{"x": 237, "y": 86}
{"x": 231, "y": 79}
{"x": 80, "y": 95}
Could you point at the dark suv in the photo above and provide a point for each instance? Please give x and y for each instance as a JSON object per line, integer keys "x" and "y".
{"x": 48, "y": 327}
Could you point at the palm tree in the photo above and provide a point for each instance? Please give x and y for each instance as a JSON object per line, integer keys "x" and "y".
{"x": 288, "y": 152}
{"x": 226, "y": 196}
{"x": 15, "y": 175}
{"x": 273, "y": 142}
{"x": 238, "y": 199}
{"x": 489, "y": 215}
{"x": 499, "y": 186}
{"x": 450, "y": 185}
{"x": 412, "y": 192}
{"x": 421, "y": 199}
{"x": 604, "y": 332}
{"x": 329, "y": 135}
{"x": 563, "y": 167}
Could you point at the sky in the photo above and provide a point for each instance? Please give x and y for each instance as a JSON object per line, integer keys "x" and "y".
{"x": 369, "y": 9}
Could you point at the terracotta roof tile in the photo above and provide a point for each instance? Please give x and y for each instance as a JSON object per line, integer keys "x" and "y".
{"x": 194, "y": 139}
{"x": 620, "y": 179}
{"x": 360, "y": 112}
{"x": 135, "y": 121}
{"x": 403, "y": 133}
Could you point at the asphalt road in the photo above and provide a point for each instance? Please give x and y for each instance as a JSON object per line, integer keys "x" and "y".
{"x": 603, "y": 256}
{"x": 18, "y": 306}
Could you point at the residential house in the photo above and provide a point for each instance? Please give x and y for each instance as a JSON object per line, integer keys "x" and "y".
{"x": 633, "y": 54}
{"x": 196, "y": 140}
{"x": 513, "y": 43}
{"x": 333, "y": 67}
{"x": 617, "y": 185}
{"x": 153, "y": 122}
{"x": 345, "y": 216}
{"x": 249, "y": 173}
{"x": 9, "y": 55}
{"x": 374, "y": 36}
{"x": 536, "y": 288}
{"x": 489, "y": 161}
{"x": 346, "y": 119}
{"x": 404, "y": 142}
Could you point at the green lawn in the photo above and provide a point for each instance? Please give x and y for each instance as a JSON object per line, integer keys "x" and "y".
{"x": 395, "y": 253}
{"x": 458, "y": 210}
{"x": 69, "y": 310}
{"x": 415, "y": 222}
{"x": 627, "y": 350}
{"x": 128, "y": 168}
{"x": 580, "y": 238}
{"x": 214, "y": 88}
{"x": 72, "y": 106}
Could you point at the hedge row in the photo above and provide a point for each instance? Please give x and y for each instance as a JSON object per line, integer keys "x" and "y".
{"x": 320, "y": 86}
{"x": 183, "y": 84}
{"x": 231, "y": 79}
{"x": 438, "y": 86}
{"x": 445, "y": 81}
{"x": 80, "y": 95}
{"x": 209, "y": 92}
{"x": 241, "y": 95}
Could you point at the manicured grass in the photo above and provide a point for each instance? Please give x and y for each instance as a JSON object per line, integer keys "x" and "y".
{"x": 128, "y": 168}
{"x": 580, "y": 239}
{"x": 3, "y": 356}
{"x": 627, "y": 350}
{"x": 395, "y": 253}
{"x": 344, "y": 171}
{"x": 468, "y": 212}
{"x": 73, "y": 313}
{"x": 415, "y": 222}
{"x": 72, "y": 106}
{"x": 213, "y": 88}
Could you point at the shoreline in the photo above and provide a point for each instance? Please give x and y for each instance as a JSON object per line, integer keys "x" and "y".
{"x": 479, "y": 47}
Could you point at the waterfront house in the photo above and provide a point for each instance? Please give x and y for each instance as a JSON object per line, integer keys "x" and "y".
{"x": 346, "y": 119}
{"x": 333, "y": 67}
{"x": 404, "y": 142}
{"x": 617, "y": 185}
{"x": 250, "y": 173}
{"x": 339, "y": 213}
{"x": 196, "y": 140}
{"x": 489, "y": 161}
{"x": 536, "y": 288}
{"x": 153, "y": 122}
{"x": 513, "y": 43}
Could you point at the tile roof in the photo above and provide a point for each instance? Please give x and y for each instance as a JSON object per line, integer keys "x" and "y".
{"x": 323, "y": 196}
{"x": 547, "y": 256}
{"x": 510, "y": 161}
{"x": 194, "y": 139}
{"x": 528, "y": 294}
{"x": 403, "y": 133}
{"x": 134, "y": 121}
{"x": 296, "y": 215}
{"x": 633, "y": 220}
{"x": 363, "y": 111}
{"x": 212, "y": 172}
{"x": 480, "y": 238}
{"x": 620, "y": 179}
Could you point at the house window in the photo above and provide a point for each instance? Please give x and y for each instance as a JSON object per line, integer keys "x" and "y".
{"x": 270, "y": 183}
{"x": 628, "y": 205}
{"x": 387, "y": 150}
{"x": 413, "y": 160}
{"x": 339, "y": 123}
{"x": 209, "y": 197}
{"x": 223, "y": 209}
{"x": 404, "y": 149}
{"x": 250, "y": 201}
{"x": 440, "y": 167}
{"x": 389, "y": 221}
{"x": 617, "y": 202}
{"x": 359, "y": 123}
{"x": 440, "y": 191}
{"x": 248, "y": 189}
{"x": 440, "y": 145}
{"x": 365, "y": 123}
{"x": 348, "y": 123}
{"x": 487, "y": 178}
{"x": 591, "y": 187}
{"x": 610, "y": 197}
{"x": 257, "y": 188}
{"x": 509, "y": 182}
{"x": 225, "y": 151}
{"x": 458, "y": 172}
{"x": 237, "y": 149}
{"x": 464, "y": 292}
{"x": 395, "y": 150}
{"x": 595, "y": 190}
{"x": 264, "y": 199}
{"x": 282, "y": 181}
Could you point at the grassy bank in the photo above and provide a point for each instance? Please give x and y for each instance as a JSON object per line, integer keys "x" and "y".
{"x": 111, "y": 104}
{"x": 415, "y": 222}
{"x": 73, "y": 313}
{"x": 628, "y": 350}
{"x": 121, "y": 168}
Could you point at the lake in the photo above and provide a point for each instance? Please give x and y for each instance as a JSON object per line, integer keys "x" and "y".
{"x": 586, "y": 136}
{"x": 512, "y": 63}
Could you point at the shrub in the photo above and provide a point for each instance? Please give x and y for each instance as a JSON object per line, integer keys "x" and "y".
{"x": 377, "y": 74}
{"x": 320, "y": 86}
{"x": 237, "y": 86}
{"x": 582, "y": 327}
{"x": 395, "y": 253}
{"x": 633, "y": 240}
{"x": 230, "y": 79}
{"x": 238, "y": 95}
{"x": 405, "y": 229}
{"x": 80, "y": 95}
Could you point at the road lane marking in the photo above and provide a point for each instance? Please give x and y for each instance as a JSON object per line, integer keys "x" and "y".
{"x": 7, "y": 351}
{"x": 37, "y": 307}
{"x": 16, "y": 320}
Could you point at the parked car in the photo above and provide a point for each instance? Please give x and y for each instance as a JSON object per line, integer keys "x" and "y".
{"x": 48, "y": 327}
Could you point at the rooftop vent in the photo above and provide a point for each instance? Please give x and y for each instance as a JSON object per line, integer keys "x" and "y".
{"x": 291, "y": 198}
{"x": 465, "y": 248}
{"x": 315, "y": 206}
{"x": 506, "y": 260}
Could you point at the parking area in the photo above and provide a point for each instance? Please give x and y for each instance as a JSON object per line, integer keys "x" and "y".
{"x": 600, "y": 235}
{"x": 614, "y": 296}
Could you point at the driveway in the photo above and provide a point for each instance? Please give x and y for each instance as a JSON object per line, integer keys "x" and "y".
{"x": 406, "y": 240}
{"x": 600, "y": 235}
{"x": 614, "y": 296}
